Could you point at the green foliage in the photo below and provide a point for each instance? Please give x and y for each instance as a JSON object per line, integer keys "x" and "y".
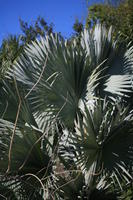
{"x": 78, "y": 27}
{"x": 9, "y": 51}
{"x": 32, "y": 31}
{"x": 120, "y": 17}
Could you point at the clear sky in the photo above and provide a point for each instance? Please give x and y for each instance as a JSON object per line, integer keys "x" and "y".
{"x": 60, "y": 12}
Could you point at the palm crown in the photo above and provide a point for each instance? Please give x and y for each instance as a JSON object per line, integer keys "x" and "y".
{"x": 63, "y": 126}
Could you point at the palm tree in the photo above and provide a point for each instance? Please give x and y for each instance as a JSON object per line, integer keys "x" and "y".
{"x": 64, "y": 131}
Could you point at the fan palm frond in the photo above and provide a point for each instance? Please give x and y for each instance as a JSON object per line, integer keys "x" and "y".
{"x": 100, "y": 45}
{"x": 103, "y": 142}
{"x": 58, "y": 75}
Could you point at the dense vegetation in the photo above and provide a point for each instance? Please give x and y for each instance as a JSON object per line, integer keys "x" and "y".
{"x": 118, "y": 14}
{"x": 66, "y": 114}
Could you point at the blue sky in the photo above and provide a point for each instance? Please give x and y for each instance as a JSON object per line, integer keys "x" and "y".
{"x": 60, "y": 12}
